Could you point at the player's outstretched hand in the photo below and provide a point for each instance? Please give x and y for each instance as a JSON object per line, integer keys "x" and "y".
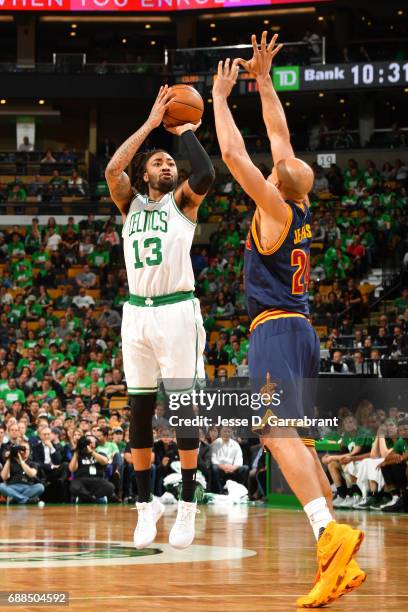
{"x": 260, "y": 64}
{"x": 178, "y": 130}
{"x": 160, "y": 106}
{"x": 226, "y": 78}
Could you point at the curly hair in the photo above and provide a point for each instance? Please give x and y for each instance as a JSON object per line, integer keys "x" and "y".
{"x": 140, "y": 168}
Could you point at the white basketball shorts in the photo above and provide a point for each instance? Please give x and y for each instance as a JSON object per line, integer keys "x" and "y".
{"x": 163, "y": 343}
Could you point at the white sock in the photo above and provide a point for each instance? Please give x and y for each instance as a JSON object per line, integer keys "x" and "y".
{"x": 318, "y": 514}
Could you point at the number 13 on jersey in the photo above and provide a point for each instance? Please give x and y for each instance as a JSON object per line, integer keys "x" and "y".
{"x": 301, "y": 276}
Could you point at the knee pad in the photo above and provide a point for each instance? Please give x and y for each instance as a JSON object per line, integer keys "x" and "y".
{"x": 141, "y": 414}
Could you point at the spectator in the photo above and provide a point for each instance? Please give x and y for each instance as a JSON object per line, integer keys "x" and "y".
{"x": 227, "y": 461}
{"x": 26, "y": 146}
{"x": 320, "y": 184}
{"x": 19, "y": 476}
{"x": 110, "y": 317}
{"x": 76, "y": 184}
{"x": 88, "y": 467}
{"x": 49, "y": 458}
{"x": 48, "y": 158}
{"x": 337, "y": 364}
{"x": 165, "y": 452}
{"x": 86, "y": 278}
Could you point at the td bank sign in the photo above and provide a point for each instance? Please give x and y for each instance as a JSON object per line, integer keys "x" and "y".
{"x": 286, "y": 78}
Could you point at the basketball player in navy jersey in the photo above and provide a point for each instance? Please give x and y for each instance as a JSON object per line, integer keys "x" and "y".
{"x": 283, "y": 345}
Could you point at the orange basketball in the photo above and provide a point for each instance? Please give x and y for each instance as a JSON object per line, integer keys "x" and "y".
{"x": 187, "y": 106}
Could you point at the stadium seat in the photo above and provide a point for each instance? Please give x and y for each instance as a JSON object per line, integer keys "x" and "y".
{"x": 95, "y": 293}
{"x": 59, "y": 313}
{"x": 74, "y": 271}
{"x": 210, "y": 371}
{"x": 321, "y": 330}
{"x": 231, "y": 370}
{"x": 225, "y": 324}
{"x": 54, "y": 293}
{"x": 32, "y": 325}
{"x": 117, "y": 402}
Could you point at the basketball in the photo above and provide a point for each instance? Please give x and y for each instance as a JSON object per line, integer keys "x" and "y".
{"x": 186, "y": 107}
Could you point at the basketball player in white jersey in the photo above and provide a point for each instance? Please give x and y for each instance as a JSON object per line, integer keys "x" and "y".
{"x": 162, "y": 329}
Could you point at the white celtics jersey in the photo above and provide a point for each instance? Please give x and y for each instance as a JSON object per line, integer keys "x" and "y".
{"x": 157, "y": 239}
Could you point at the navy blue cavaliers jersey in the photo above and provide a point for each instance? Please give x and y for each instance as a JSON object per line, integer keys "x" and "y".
{"x": 278, "y": 278}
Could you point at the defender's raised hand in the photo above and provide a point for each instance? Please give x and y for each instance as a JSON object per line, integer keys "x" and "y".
{"x": 160, "y": 106}
{"x": 261, "y": 62}
{"x": 226, "y": 78}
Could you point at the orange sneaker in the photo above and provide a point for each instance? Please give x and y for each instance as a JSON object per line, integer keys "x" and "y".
{"x": 335, "y": 549}
{"x": 353, "y": 578}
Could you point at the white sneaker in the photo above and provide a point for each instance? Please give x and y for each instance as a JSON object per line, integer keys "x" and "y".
{"x": 391, "y": 502}
{"x": 337, "y": 501}
{"x": 158, "y": 508}
{"x": 148, "y": 513}
{"x": 347, "y": 502}
{"x": 183, "y": 531}
{"x": 357, "y": 500}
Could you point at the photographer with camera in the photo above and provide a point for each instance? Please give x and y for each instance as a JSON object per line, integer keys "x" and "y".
{"x": 88, "y": 467}
{"x": 19, "y": 475}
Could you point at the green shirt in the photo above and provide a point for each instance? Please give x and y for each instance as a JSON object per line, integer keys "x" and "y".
{"x": 50, "y": 393}
{"x": 4, "y": 384}
{"x": 401, "y": 446}
{"x": 109, "y": 449}
{"x": 14, "y": 248}
{"x": 16, "y": 313}
{"x": 361, "y": 438}
{"x": 83, "y": 383}
{"x": 100, "y": 367}
{"x": 40, "y": 257}
{"x": 10, "y": 396}
{"x": 119, "y": 300}
{"x": 98, "y": 259}
{"x": 400, "y": 303}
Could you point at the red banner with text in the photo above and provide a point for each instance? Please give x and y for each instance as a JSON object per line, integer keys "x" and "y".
{"x": 136, "y": 5}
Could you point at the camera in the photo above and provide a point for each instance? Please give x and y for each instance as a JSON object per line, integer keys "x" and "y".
{"x": 82, "y": 445}
{"x": 15, "y": 449}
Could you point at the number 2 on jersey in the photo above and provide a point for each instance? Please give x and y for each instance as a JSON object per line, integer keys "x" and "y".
{"x": 156, "y": 251}
{"x": 300, "y": 278}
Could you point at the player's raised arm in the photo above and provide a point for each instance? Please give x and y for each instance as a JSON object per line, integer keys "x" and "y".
{"x": 272, "y": 110}
{"x": 233, "y": 151}
{"x": 116, "y": 177}
{"x": 191, "y": 193}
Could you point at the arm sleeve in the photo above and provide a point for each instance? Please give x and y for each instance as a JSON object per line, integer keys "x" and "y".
{"x": 203, "y": 174}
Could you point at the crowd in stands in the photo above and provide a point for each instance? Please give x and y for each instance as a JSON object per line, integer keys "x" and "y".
{"x": 56, "y": 175}
{"x": 61, "y": 292}
{"x": 368, "y": 469}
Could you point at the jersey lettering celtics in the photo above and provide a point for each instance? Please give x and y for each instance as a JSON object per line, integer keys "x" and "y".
{"x": 157, "y": 239}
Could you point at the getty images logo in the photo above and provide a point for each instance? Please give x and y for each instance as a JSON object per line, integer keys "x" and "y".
{"x": 286, "y": 78}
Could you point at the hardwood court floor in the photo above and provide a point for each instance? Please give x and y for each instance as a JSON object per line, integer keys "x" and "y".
{"x": 87, "y": 551}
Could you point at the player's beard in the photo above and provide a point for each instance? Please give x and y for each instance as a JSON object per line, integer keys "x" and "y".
{"x": 164, "y": 185}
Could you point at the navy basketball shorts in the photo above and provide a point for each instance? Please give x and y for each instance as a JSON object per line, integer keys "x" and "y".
{"x": 284, "y": 357}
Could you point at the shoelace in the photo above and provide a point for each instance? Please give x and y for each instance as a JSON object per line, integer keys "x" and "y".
{"x": 143, "y": 518}
{"x": 186, "y": 514}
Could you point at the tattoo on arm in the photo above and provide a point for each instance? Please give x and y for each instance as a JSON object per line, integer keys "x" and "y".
{"x": 117, "y": 179}
{"x": 128, "y": 150}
